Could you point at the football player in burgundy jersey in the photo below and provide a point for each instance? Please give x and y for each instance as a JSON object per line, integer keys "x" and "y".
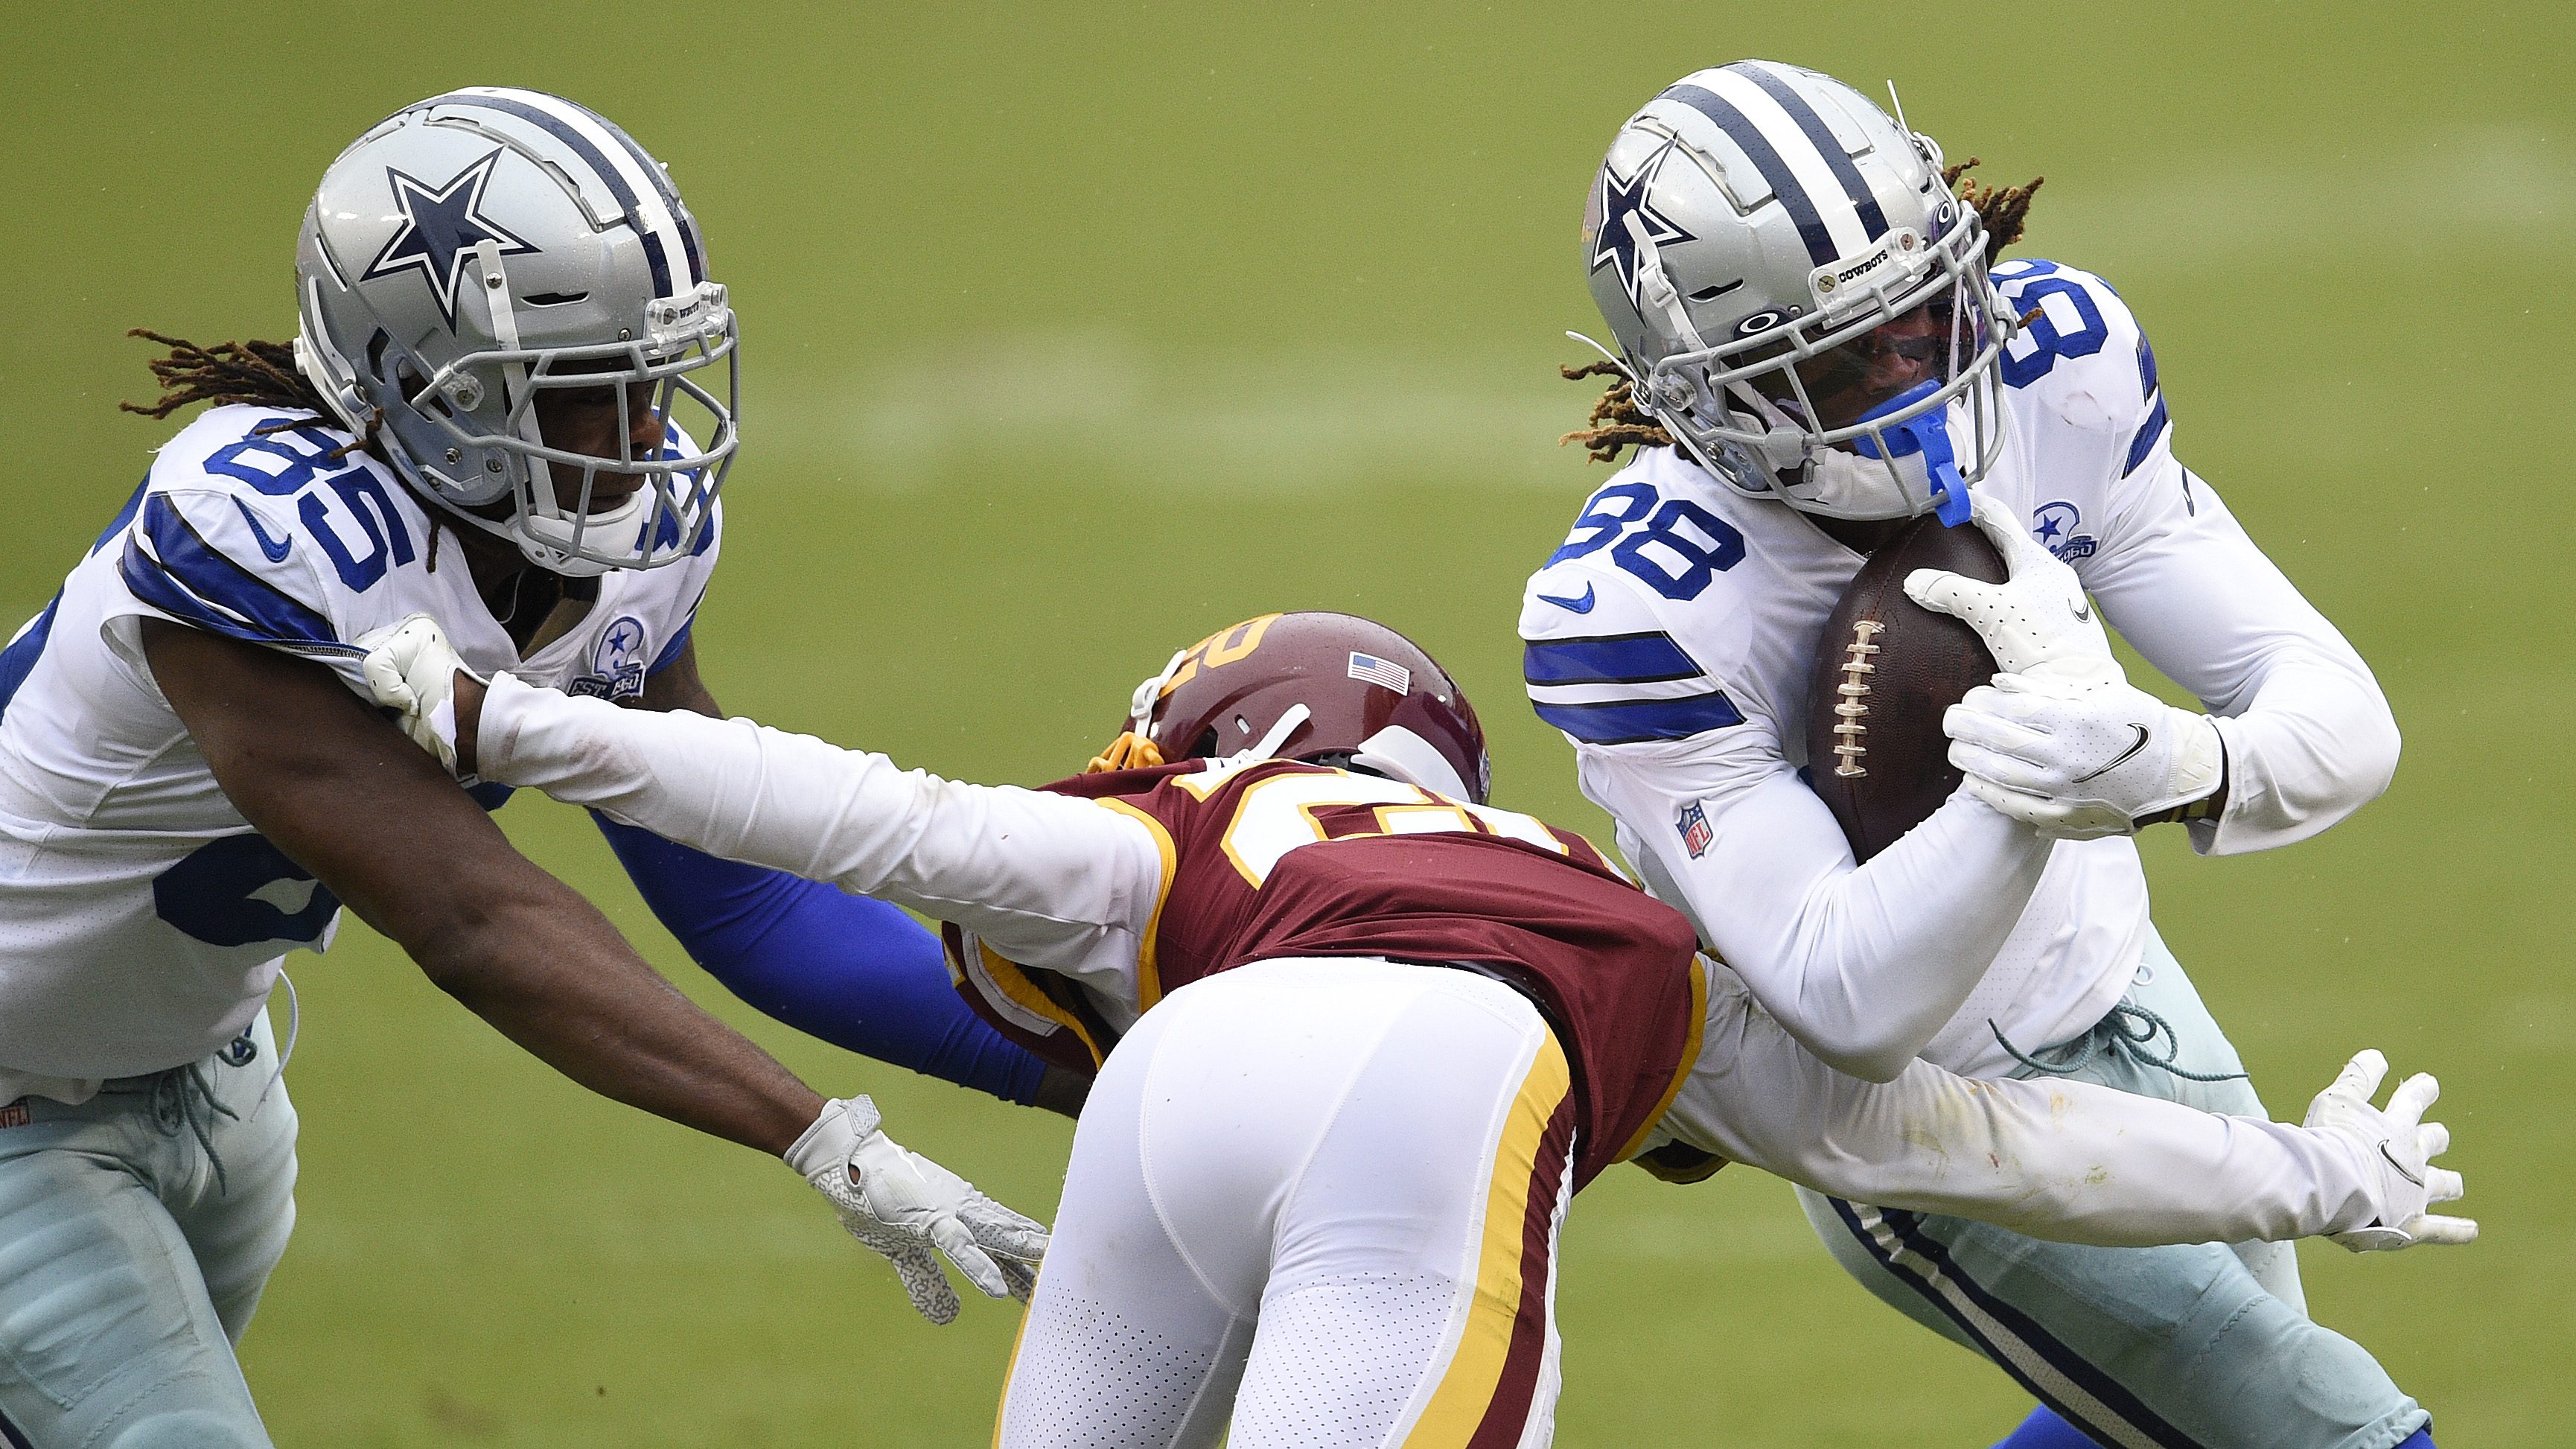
{"x": 1359, "y": 1035}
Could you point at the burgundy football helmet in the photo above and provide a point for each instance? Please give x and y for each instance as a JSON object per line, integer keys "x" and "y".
{"x": 1327, "y": 688}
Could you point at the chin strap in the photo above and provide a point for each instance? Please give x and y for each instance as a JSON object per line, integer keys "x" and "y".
{"x": 1655, "y": 287}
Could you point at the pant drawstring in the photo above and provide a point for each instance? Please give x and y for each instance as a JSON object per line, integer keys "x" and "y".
{"x": 182, "y": 1099}
{"x": 2130, "y": 1029}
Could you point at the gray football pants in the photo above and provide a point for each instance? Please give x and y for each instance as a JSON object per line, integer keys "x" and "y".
{"x": 127, "y": 1271}
{"x": 2156, "y": 1348}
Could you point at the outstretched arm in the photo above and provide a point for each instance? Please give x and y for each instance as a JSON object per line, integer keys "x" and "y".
{"x": 2062, "y": 1160}
{"x": 855, "y": 972}
{"x": 1055, "y": 883}
{"x": 320, "y": 774}
{"x": 317, "y": 772}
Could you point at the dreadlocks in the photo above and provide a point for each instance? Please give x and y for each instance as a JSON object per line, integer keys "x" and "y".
{"x": 262, "y": 374}
{"x": 1617, "y": 421}
{"x": 2003, "y": 209}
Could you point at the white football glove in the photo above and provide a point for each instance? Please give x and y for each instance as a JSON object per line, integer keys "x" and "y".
{"x": 901, "y": 1204}
{"x": 411, "y": 668}
{"x": 2401, "y": 1145}
{"x": 2037, "y": 615}
{"x": 2061, "y": 741}
{"x": 2078, "y": 755}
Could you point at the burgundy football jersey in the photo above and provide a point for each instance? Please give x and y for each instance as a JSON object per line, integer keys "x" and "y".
{"x": 1286, "y": 859}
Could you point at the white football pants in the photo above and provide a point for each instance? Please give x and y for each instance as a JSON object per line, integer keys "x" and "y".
{"x": 2196, "y": 1346}
{"x": 128, "y": 1268}
{"x": 1317, "y": 1199}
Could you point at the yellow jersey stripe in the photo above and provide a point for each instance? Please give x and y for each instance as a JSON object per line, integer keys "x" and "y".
{"x": 1690, "y": 1059}
{"x": 1149, "y": 982}
{"x": 1015, "y": 984}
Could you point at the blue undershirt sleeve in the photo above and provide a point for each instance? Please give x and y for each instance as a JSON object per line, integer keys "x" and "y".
{"x": 856, "y": 972}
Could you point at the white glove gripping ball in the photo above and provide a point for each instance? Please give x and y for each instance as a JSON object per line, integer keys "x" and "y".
{"x": 2061, "y": 741}
{"x": 2079, "y": 758}
{"x": 901, "y": 1204}
{"x": 2037, "y": 615}
{"x": 2400, "y": 1145}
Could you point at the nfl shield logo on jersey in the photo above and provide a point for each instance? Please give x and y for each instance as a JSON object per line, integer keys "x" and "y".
{"x": 1693, "y": 826}
{"x": 617, "y": 662}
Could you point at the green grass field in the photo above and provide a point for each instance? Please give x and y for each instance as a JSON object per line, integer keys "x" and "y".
{"x": 1068, "y": 339}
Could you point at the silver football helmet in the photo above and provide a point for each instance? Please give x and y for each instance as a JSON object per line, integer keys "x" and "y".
{"x": 486, "y": 248}
{"x": 1797, "y": 297}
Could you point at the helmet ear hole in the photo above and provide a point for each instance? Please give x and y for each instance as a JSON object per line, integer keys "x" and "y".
{"x": 1205, "y": 746}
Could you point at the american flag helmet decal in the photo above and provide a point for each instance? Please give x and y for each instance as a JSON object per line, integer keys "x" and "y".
{"x": 1369, "y": 669}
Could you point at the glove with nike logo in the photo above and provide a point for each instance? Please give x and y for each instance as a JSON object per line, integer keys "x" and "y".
{"x": 2396, "y": 1147}
{"x": 2061, "y": 741}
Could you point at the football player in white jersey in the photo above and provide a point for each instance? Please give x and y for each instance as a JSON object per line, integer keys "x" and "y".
{"x": 1811, "y": 351}
{"x": 496, "y": 410}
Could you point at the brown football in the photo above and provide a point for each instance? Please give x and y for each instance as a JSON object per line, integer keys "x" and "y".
{"x": 1886, "y": 668}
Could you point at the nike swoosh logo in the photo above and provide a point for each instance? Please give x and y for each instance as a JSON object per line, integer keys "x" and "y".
{"x": 2083, "y": 610}
{"x": 2401, "y": 1167}
{"x": 1579, "y": 604}
{"x": 2122, "y": 758}
{"x": 275, "y": 548}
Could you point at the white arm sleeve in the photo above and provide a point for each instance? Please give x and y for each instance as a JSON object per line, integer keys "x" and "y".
{"x": 2063, "y": 1160}
{"x": 1864, "y": 964}
{"x": 1052, "y": 882}
{"x": 2308, "y": 733}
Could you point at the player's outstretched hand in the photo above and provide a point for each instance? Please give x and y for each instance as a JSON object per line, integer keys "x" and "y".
{"x": 902, "y": 1204}
{"x": 2037, "y": 616}
{"x": 2400, "y": 1144}
{"x": 412, "y": 669}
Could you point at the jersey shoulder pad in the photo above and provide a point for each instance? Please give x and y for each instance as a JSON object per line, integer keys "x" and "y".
{"x": 2082, "y": 356}
{"x": 1631, "y": 630}
{"x": 233, "y": 534}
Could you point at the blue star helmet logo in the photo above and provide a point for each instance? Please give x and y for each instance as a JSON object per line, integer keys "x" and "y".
{"x": 1622, "y": 198}
{"x": 440, "y": 229}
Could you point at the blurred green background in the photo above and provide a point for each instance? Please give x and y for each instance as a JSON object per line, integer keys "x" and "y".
{"x": 1074, "y": 332}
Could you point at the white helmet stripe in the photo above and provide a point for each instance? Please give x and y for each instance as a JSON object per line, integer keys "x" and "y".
{"x": 1828, "y": 145}
{"x": 1804, "y": 158}
{"x": 674, "y": 259}
{"x": 1746, "y": 137}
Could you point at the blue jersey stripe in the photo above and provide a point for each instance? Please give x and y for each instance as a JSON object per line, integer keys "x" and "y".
{"x": 1607, "y": 659}
{"x": 2148, "y": 431}
{"x": 670, "y": 654}
{"x": 598, "y": 161}
{"x": 1630, "y": 720}
{"x": 19, "y": 658}
{"x": 192, "y": 579}
{"x": 1748, "y": 138}
{"x": 1863, "y": 200}
{"x": 2146, "y": 368}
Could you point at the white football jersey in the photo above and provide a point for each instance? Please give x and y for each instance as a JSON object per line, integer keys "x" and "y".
{"x": 1673, "y": 635}
{"x": 142, "y": 921}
